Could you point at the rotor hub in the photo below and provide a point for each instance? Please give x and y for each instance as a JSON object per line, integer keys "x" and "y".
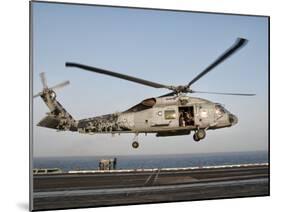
{"x": 181, "y": 89}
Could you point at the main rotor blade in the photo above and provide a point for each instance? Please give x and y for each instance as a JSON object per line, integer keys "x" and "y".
{"x": 168, "y": 94}
{"x": 240, "y": 42}
{"x": 235, "y": 94}
{"x": 43, "y": 79}
{"x": 60, "y": 85}
{"x": 118, "y": 75}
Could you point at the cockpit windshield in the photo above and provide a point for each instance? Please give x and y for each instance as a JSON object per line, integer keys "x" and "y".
{"x": 220, "y": 109}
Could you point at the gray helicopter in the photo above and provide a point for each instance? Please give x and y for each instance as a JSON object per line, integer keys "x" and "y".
{"x": 171, "y": 114}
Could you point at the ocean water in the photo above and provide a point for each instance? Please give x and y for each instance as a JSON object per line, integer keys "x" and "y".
{"x": 153, "y": 161}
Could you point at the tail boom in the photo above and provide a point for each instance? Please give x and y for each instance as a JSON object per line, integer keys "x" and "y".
{"x": 58, "y": 118}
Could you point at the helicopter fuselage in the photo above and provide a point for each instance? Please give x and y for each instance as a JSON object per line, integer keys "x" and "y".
{"x": 165, "y": 116}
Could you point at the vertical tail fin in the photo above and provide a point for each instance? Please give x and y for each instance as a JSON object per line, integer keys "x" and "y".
{"x": 58, "y": 118}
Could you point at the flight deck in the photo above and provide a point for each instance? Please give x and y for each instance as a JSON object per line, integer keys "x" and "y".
{"x": 93, "y": 188}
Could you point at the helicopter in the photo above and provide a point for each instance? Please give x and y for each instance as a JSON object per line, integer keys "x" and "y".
{"x": 172, "y": 114}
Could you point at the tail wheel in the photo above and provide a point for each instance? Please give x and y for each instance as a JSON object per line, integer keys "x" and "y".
{"x": 135, "y": 144}
{"x": 201, "y": 134}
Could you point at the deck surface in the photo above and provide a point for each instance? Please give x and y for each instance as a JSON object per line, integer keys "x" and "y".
{"x": 74, "y": 190}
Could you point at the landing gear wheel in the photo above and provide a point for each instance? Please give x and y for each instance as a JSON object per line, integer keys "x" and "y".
{"x": 135, "y": 144}
{"x": 201, "y": 134}
{"x": 195, "y": 137}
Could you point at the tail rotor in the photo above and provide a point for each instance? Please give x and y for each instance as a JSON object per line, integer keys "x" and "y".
{"x": 43, "y": 80}
{"x": 46, "y": 88}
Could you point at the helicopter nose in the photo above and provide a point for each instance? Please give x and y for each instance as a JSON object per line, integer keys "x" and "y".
{"x": 233, "y": 119}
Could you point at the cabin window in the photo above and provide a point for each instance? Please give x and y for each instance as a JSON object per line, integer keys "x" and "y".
{"x": 170, "y": 114}
{"x": 204, "y": 114}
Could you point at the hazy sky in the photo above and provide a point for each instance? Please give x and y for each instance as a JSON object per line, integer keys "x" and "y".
{"x": 163, "y": 46}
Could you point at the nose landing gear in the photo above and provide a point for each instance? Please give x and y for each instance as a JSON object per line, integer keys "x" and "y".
{"x": 199, "y": 135}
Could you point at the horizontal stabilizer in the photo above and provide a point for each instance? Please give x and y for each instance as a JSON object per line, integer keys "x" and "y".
{"x": 49, "y": 122}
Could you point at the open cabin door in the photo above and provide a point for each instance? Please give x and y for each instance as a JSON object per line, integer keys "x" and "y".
{"x": 186, "y": 116}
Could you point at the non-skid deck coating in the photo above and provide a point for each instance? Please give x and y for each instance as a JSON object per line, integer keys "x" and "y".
{"x": 73, "y": 190}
